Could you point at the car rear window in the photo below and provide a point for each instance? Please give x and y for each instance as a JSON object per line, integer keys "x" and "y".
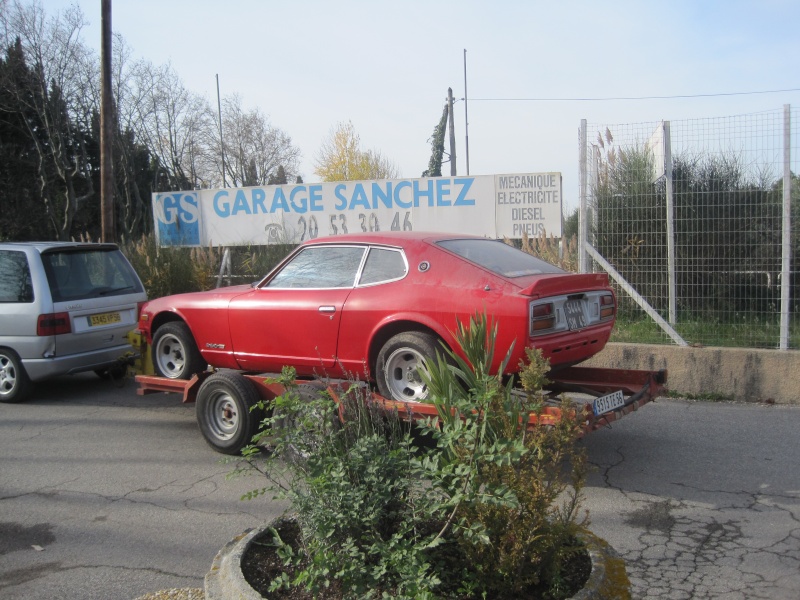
{"x": 15, "y": 277}
{"x": 83, "y": 274}
{"x": 499, "y": 257}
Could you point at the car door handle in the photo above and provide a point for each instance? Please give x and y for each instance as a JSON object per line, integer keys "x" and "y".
{"x": 327, "y": 309}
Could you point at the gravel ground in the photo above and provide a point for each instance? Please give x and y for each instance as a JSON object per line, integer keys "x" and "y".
{"x": 175, "y": 594}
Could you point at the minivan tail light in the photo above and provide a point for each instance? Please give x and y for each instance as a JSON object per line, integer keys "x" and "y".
{"x": 139, "y": 306}
{"x": 53, "y": 324}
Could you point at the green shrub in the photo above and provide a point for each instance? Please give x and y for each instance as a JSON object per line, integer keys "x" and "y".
{"x": 485, "y": 508}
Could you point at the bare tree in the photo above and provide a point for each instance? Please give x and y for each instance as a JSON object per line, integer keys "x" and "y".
{"x": 169, "y": 120}
{"x": 166, "y": 137}
{"x": 254, "y": 149}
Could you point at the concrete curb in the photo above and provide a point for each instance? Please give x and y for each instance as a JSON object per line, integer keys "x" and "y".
{"x": 607, "y": 581}
{"x": 741, "y": 374}
{"x": 225, "y": 580}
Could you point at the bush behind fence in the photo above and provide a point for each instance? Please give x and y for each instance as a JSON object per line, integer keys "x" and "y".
{"x": 727, "y": 190}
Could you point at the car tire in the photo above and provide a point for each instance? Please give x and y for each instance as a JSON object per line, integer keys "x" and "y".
{"x": 399, "y": 359}
{"x": 175, "y": 353}
{"x": 224, "y": 411}
{"x": 14, "y": 383}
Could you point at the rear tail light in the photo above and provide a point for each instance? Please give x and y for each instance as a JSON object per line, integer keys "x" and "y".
{"x": 543, "y": 318}
{"x": 607, "y": 307}
{"x": 53, "y": 324}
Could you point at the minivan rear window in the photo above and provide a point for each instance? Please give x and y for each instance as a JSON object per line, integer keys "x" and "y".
{"x": 83, "y": 274}
{"x": 15, "y": 277}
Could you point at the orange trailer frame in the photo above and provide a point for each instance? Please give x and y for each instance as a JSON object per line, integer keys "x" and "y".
{"x": 636, "y": 387}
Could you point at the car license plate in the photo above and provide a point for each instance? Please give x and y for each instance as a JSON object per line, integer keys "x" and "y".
{"x": 104, "y": 319}
{"x": 573, "y": 310}
{"x": 607, "y": 403}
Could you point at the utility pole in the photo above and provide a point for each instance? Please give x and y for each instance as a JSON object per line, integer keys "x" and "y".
{"x": 452, "y": 132}
{"x": 107, "y": 224}
{"x": 221, "y": 143}
{"x": 466, "y": 117}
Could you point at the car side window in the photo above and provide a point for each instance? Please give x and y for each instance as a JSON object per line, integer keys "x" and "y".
{"x": 320, "y": 267}
{"x": 15, "y": 277}
{"x": 383, "y": 264}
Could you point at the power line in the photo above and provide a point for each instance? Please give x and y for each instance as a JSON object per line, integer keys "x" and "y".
{"x": 631, "y": 97}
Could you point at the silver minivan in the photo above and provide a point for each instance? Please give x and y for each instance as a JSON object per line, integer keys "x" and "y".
{"x": 64, "y": 308}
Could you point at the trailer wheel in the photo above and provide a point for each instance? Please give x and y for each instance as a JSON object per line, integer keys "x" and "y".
{"x": 175, "y": 353}
{"x": 224, "y": 413}
{"x": 397, "y": 372}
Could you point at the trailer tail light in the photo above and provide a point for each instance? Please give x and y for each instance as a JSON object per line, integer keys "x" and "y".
{"x": 53, "y": 324}
{"x": 542, "y": 318}
{"x": 607, "y": 307}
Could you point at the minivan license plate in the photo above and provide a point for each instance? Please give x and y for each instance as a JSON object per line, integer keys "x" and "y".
{"x": 607, "y": 403}
{"x": 104, "y": 319}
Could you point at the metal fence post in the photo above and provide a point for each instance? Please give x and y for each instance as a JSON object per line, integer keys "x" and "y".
{"x": 673, "y": 313}
{"x": 582, "y": 216}
{"x": 786, "y": 238}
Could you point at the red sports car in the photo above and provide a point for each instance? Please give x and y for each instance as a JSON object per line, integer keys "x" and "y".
{"x": 375, "y": 305}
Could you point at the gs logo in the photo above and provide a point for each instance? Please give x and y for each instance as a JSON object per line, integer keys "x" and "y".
{"x": 177, "y": 217}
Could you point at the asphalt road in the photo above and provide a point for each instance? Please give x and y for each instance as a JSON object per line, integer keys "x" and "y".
{"x": 105, "y": 494}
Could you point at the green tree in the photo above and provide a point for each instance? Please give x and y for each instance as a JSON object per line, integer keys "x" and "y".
{"x": 18, "y": 156}
{"x": 437, "y": 147}
{"x": 279, "y": 178}
{"x": 59, "y": 96}
{"x": 727, "y": 228}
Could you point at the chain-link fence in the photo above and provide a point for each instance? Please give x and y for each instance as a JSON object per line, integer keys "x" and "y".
{"x": 698, "y": 223}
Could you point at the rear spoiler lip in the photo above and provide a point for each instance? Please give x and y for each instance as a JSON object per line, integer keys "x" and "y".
{"x": 570, "y": 283}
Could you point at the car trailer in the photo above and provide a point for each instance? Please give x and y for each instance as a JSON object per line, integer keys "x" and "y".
{"x": 223, "y": 399}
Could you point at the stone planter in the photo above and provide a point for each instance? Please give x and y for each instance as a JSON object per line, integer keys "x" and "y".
{"x": 607, "y": 581}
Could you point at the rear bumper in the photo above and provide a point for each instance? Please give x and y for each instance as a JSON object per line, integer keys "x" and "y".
{"x": 44, "y": 368}
{"x": 574, "y": 347}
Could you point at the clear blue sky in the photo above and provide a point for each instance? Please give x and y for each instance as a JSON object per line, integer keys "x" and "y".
{"x": 386, "y": 67}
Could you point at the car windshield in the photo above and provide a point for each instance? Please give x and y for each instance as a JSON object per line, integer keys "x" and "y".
{"x": 499, "y": 257}
{"x": 83, "y": 274}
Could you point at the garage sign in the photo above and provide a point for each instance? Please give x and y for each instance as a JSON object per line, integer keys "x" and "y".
{"x": 489, "y": 205}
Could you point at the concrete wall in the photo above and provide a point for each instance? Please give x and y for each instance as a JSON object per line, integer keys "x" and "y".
{"x": 742, "y": 374}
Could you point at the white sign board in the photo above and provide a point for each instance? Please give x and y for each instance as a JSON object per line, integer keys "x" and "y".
{"x": 488, "y": 205}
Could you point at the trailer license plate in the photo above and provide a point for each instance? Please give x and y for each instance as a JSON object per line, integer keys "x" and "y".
{"x": 607, "y": 403}
{"x": 573, "y": 311}
{"x": 104, "y": 319}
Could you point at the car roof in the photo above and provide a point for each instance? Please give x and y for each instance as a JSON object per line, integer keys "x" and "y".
{"x": 391, "y": 238}
{"x": 53, "y": 246}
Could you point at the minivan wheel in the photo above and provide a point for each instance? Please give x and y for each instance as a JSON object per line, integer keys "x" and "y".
{"x": 175, "y": 353}
{"x": 14, "y": 383}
